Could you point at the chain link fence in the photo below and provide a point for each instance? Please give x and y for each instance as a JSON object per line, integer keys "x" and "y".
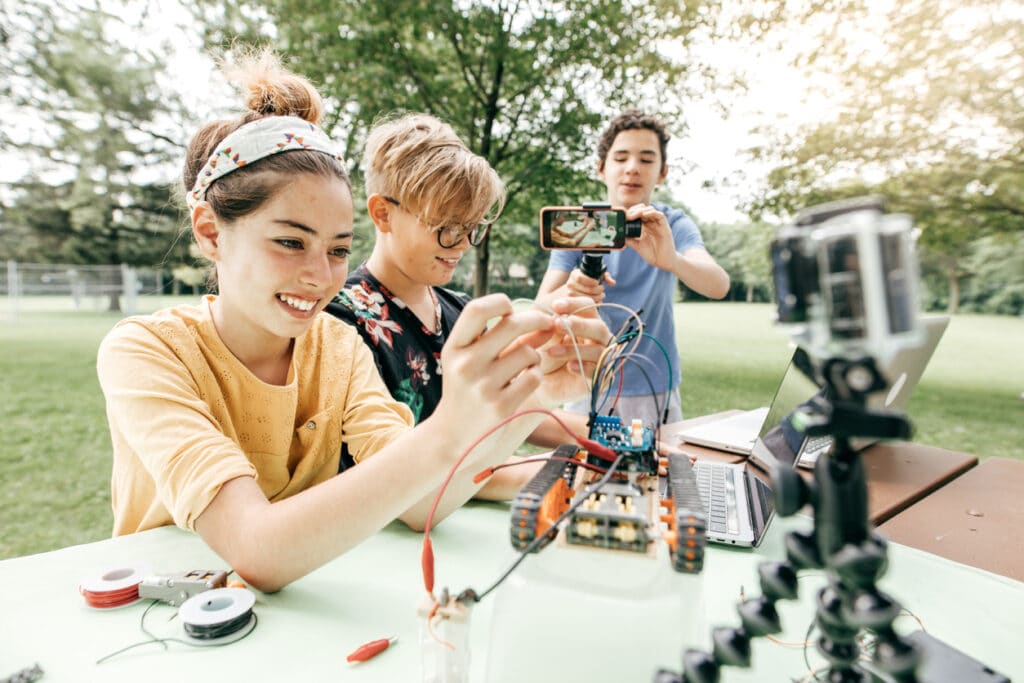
{"x": 54, "y": 287}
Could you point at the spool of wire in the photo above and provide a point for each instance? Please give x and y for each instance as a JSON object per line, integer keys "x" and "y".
{"x": 218, "y": 616}
{"x": 113, "y": 588}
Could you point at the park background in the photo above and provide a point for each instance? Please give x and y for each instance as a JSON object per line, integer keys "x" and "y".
{"x": 774, "y": 106}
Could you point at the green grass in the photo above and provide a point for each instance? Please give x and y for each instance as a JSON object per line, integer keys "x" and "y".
{"x": 54, "y": 443}
{"x": 969, "y": 398}
{"x": 55, "y": 448}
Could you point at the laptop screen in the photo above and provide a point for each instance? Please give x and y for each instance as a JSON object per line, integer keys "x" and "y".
{"x": 780, "y": 441}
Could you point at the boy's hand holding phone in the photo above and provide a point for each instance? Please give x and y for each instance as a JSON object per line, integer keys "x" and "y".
{"x": 655, "y": 244}
{"x": 579, "y": 284}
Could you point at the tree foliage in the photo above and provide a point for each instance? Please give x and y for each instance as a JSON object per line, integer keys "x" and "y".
{"x": 90, "y": 143}
{"x": 526, "y": 84}
{"x": 928, "y": 110}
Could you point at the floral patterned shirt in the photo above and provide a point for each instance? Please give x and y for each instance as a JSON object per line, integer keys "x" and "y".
{"x": 408, "y": 355}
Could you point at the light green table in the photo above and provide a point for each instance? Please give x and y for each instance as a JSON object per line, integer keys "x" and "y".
{"x": 568, "y": 615}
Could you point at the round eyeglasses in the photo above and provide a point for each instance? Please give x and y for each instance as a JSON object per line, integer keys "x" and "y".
{"x": 450, "y": 235}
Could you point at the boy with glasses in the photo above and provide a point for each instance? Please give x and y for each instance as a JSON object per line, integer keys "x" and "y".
{"x": 431, "y": 200}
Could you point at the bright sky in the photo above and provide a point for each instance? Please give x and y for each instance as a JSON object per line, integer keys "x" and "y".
{"x": 776, "y": 94}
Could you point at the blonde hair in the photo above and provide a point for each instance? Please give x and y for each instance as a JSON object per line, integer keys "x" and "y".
{"x": 269, "y": 90}
{"x": 419, "y": 161}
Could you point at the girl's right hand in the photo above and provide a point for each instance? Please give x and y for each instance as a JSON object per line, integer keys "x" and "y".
{"x": 490, "y": 362}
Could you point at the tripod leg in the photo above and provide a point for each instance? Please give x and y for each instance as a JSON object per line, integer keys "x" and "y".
{"x": 838, "y": 640}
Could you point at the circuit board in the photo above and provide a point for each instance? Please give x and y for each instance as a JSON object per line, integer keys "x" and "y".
{"x": 635, "y": 442}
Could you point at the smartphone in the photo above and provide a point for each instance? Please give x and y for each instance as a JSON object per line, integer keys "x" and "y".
{"x": 582, "y": 228}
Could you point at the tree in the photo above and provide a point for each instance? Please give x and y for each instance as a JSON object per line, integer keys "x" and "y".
{"x": 36, "y": 224}
{"x": 929, "y": 109}
{"x": 94, "y": 104}
{"x": 995, "y": 264}
{"x": 742, "y": 250}
{"x": 526, "y": 84}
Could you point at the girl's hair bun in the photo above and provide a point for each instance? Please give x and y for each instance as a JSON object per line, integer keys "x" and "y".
{"x": 272, "y": 90}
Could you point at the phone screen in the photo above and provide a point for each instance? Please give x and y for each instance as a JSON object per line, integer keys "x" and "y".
{"x": 563, "y": 227}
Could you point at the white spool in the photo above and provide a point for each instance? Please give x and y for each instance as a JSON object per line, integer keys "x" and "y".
{"x": 115, "y": 579}
{"x": 212, "y": 608}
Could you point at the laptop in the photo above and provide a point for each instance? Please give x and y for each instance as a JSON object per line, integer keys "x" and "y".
{"x": 733, "y": 434}
{"x": 777, "y": 439}
{"x": 738, "y": 506}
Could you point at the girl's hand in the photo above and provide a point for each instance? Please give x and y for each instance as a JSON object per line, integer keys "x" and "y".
{"x": 564, "y": 376}
{"x": 491, "y": 363}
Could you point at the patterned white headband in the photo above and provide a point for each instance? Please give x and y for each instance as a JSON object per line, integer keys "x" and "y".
{"x": 254, "y": 141}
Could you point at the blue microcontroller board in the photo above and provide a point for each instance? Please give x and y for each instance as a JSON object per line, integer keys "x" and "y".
{"x": 635, "y": 443}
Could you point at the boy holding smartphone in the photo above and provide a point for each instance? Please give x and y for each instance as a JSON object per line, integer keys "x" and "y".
{"x": 631, "y": 161}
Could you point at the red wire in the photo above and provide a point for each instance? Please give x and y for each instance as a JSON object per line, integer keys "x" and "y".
{"x": 483, "y": 474}
{"x": 427, "y": 556}
{"x": 108, "y": 599}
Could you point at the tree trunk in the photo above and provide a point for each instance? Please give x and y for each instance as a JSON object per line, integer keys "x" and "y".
{"x": 483, "y": 262}
{"x": 750, "y": 294}
{"x": 954, "y": 292}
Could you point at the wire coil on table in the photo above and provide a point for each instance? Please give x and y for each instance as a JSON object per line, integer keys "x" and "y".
{"x": 113, "y": 587}
{"x": 221, "y": 615}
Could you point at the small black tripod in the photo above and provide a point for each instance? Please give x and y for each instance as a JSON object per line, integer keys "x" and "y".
{"x": 592, "y": 265}
{"x": 841, "y": 542}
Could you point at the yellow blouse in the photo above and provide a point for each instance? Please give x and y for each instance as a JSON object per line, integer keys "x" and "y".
{"x": 186, "y": 416}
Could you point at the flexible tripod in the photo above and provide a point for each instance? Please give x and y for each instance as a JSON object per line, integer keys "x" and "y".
{"x": 841, "y": 543}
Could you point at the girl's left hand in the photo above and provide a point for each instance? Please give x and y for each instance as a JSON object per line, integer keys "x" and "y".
{"x": 580, "y": 335}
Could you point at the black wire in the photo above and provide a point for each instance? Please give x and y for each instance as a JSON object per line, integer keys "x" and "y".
{"x": 650, "y": 384}
{"x": 622, "y": 337}
{"x": 163, "y": 641}
{"x": 539, "y": 539}
{"x": 632, "y": 358}
{"x": 142, "y": 621}
{"x": 214, "y": 631}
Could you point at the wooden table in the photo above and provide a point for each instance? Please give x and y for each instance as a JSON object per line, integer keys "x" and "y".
{"x": 978, "y": 519}
{"x": 899, "y": 473}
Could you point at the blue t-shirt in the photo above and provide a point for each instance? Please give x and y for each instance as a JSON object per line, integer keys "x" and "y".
{"x": 650, "y": 291}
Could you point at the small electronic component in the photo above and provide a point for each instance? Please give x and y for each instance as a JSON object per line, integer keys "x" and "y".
{"x": 618, "y": 517}
{"x": 27, "y": 675}
{"x": 633, "y": 441}
{"x": 174, "y": 589}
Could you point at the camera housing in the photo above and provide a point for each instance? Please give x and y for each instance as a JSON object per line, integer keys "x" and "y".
{"x": 846, "y": 273}
{"x": 588, "y": 227}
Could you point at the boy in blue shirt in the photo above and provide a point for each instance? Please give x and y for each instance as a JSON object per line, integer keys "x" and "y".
{"x": 631, "y": 163}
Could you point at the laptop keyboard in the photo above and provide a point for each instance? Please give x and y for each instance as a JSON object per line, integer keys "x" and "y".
{"x": 717, "y": 485}
{"x": 816, "y": 443}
